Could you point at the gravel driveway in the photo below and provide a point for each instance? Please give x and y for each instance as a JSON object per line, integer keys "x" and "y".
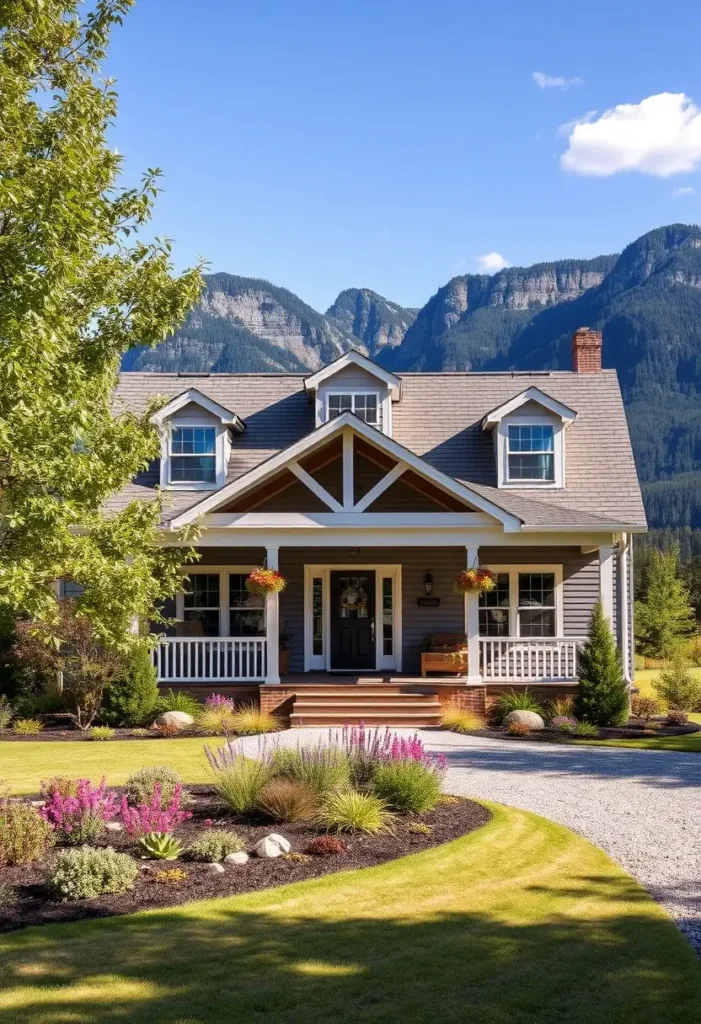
{"x": 642, "y": 807}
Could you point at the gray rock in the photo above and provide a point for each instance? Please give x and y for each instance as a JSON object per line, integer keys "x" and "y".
{"x": 114, "y": 826}
{"x": 236, "y": 858}
{"x": 268, "y": 848}
{"x": 179, "y": 718}
{"x": 214, "y": 868}
{"x": 280, "y": 840}
{"x": 529, "y": 718}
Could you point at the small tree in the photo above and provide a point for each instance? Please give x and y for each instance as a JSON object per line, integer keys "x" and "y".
{"x": 664, "y": 618}
{"x": 69, "y": 647}
{"x": 602, "y": 698}
{"x": 678, "y": 687}
{"x": 130, "y": 699}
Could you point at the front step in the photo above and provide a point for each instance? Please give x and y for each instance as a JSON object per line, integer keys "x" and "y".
{"x": 372, "y": 705}
{"x": 415, "y": 720}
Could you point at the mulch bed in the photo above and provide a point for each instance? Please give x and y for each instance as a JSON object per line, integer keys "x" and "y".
{"x": 56, "y": 733}
{"x": 451, "y": 819}
{"x": 632, "y": 731}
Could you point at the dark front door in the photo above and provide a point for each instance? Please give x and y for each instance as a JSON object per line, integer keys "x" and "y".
{"x": 353, "y": 620}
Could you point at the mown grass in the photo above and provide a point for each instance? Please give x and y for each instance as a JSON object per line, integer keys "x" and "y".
{"x": 523, "y": 922}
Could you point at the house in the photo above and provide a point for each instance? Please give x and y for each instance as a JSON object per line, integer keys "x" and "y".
{"x": 369, "y": 491}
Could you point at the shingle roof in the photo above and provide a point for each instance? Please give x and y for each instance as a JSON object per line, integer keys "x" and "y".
{"x": 438, "y": 418}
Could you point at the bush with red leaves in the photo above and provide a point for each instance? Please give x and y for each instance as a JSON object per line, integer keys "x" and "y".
{"x": 325, "y": 846}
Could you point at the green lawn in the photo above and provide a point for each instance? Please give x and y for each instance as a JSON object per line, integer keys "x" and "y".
{"x": 24, "y": 765}
{"x": 522, "y": 922}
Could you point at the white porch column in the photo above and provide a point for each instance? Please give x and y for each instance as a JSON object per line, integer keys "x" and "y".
{"x": 606, "y": 580}
{"x": 272, "y": 621}
{"x": 472, "y": 623}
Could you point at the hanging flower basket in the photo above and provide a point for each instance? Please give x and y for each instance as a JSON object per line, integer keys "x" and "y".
{"x": 471, "y": 581}
{"x": 265, "y": 581}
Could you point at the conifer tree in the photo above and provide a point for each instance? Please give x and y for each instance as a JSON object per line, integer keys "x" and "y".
{"x": 664, "y": 617}
{"x": 602, "y": 697}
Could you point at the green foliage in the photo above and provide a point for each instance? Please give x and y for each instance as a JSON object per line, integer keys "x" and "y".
{"x": 248, "y": 720}
{"x": 644, "y": 707}
{"x": 585, "y": 730}
{"x": 159, "y": 846}
{"x": 678, "y": 688}
{"x": 407, "y": 785}
{"x": 215, "y": 844}
{"x": 349, "y": 810}
{"x": 559, "y": 707}
{"x": 101, "y": 733}
{"x": 140, "y": 787}
{"x": 24, "y": 836}
{"x": 240, "y": 784}
{"x": 516, "y": 700}
{"x": 322, "y": 768}
{"x": 27, "y": 726}
{"x": 602, "y": 696}
{"x": 79, "y": 290}
{"x": 664, "y": 617}
{"x": 85, "y": 873}
{"x": 178, "y": 700}
{"x": 131, "y": 697}
{"x": 288, "y": 800}
{"x": 5, "y": 712}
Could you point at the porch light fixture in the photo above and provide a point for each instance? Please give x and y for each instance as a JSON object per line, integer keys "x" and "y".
{"x": 428, "y": 584}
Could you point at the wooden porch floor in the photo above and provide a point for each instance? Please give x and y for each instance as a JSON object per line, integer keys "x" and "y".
{"x": 302, "y": 679}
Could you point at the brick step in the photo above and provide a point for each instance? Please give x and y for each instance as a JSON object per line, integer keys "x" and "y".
{"x": 353, "y": 706}
{"x": 414, "y": 720}
{"x": 356, "y": 693}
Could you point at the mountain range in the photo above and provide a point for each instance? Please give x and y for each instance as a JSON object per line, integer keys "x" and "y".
{"x": 647, "y": 302}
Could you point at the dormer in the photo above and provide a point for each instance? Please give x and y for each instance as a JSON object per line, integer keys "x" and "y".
{"x": 529, "y": 440}
{"x": 353, "y": 383}
{"x": 195, "y": 434}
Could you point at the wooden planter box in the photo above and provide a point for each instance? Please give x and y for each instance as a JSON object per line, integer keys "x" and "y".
{"x": 443, "y": 662}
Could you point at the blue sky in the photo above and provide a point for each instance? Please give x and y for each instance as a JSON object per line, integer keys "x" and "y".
{"x": 389, "y": 145}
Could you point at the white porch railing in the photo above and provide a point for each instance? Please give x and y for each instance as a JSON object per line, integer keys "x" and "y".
{"x": 529, "y": 660}
{"x": 195, "y": 659}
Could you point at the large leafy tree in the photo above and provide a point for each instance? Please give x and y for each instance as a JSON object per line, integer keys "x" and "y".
{"x": 664, "y": 617}
{"x": 78, "y": 287}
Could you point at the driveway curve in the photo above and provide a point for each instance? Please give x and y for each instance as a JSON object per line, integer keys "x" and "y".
{"x": 642, "y": 807}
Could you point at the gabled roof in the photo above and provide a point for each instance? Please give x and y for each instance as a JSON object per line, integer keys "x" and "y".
{"x": 531, "y": 394}
{"x": 321, "y": 436}
{"x": 192, "y": 395}
{"x": 354, "y": 358}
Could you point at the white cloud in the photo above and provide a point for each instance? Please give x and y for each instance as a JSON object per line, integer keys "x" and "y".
{"x": 565, "y": 130}
{"x": 491, "y": 262}
{"x": 661, "y": 136}
{"x": 544, "y": 81}
{"x": 683, "y": 193}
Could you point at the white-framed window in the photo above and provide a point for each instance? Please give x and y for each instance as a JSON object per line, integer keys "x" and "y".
{"x": 193, "y": 454}
{"x": 526, "y": 602}
{"x": 202, "y": 601}
{"x": 216, "y": 600}
{"x": 530, "y": 451}
{"x": 246, "y": 611}
{"x": 364, "y": 404}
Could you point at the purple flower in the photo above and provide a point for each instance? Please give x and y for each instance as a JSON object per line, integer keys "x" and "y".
{"x": 218, "y": 700}
{"x": 153, "y": 817}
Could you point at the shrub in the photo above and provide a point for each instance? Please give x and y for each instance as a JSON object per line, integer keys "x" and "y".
{"x": 166, "y": 730}
{"x": 140, "y": 786}
{"x": 516, "y": 700}
{"x": 644, "y": 707}
{"x": 458, "y": 720}
{"x": 560, "y": 707}
{"x": 58, "y": 784}
{"x": 101, "y": 733}
{"x": 248, "y": 720}
{"x": 216, "y": 720}
{"x": 678, "y": 687}
{"x": 602, "y": 697}
{"x": 86, "y": 873}
{"x": 322, "y": 768}
{"x": 8, "y": 895}
{"x": 288, "y": 800}
{"x": 81, "y": 818}
{"x": 131, "y": 697}
{"x": 325, "y": 846}
{"x": 24, "y": 835}
{"x": 159, "y": 846}
{"x": 677, "y": 718}
{"x": 154, "y": 816}
{"x": 419, "y": 828}
{"x": 27, "y": 726}
{"x": 170, "y": 876}
{"x": 215, "y": 844}
{"x": 5, "y": 712}
{"x": 518, "y": 729}
{"x": 563, "y": 723}
{"x": 238, "y": 780}
{"x": 178, "y": 700}
{"x": 351, "y": 811}
{"x": 407, "y": 785}
{"x": 585, "y": 730}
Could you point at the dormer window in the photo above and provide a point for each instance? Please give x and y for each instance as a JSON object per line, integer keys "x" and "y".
{"x": 193, "y": 456}
{"x": 364, "y": 405}
{"x": 530, "y": 452}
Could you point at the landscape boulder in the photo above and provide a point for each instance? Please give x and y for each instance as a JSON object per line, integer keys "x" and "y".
{"x": 238, "y": 858}
{"x": 273, "y": 845}
{"x": 529, "y": 718}
{"x": 214, "y": 869}
{"x": 181, "y": 719}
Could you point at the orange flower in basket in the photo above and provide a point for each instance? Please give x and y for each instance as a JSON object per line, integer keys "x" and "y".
{"x": 474, "y": 581}
{"x": 265, "y": 581}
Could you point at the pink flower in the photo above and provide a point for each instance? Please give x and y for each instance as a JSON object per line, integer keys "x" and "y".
{"x": 152, "y": 817}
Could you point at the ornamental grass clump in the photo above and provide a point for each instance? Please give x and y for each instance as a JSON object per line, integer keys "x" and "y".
{"x": 585, "y": 730}
{"x": 408, "y": 785}
{"x": 238, "y": 780}
{"x": 86, "y": 873}
{"x": 456, "y": 719}
{"x": 349, "y": 810}
{"x": 81, "y": 818}
{"x": 248, "y": 720}
{"x": 178, "y": 700}
{"x": 25, "y": 836}
{"x": 101, "y": 733}
{"x": 322, "y": 768}
{"x": 288, "y": 800}
{"x": 559, "y": 707}
{"x": 216, "y": 720}
{"x": 215, "y": 844}
{"x": 366, "y": 748}
{"x": 140, "y": 786}
{"x": 517, "y": 700}
{"x": 154, "y": 816}
{"x": 563, "y": 723}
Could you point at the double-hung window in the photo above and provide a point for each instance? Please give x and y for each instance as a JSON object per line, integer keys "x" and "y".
{"x": 523, "y": 603}
{"x": 364, "y": 405}
{"x": 536, "y": 604}
{"x": 530, "y": 452}
{"x": 246, "y": 610}
{"x": 193, "y": 456}
{"x": 201, "y": 601}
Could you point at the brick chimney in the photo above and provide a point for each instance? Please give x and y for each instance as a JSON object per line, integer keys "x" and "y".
{"x": 586, "y": 350}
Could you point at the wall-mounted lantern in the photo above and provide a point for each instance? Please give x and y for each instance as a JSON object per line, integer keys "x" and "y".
{"x": 428, "y": 584}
